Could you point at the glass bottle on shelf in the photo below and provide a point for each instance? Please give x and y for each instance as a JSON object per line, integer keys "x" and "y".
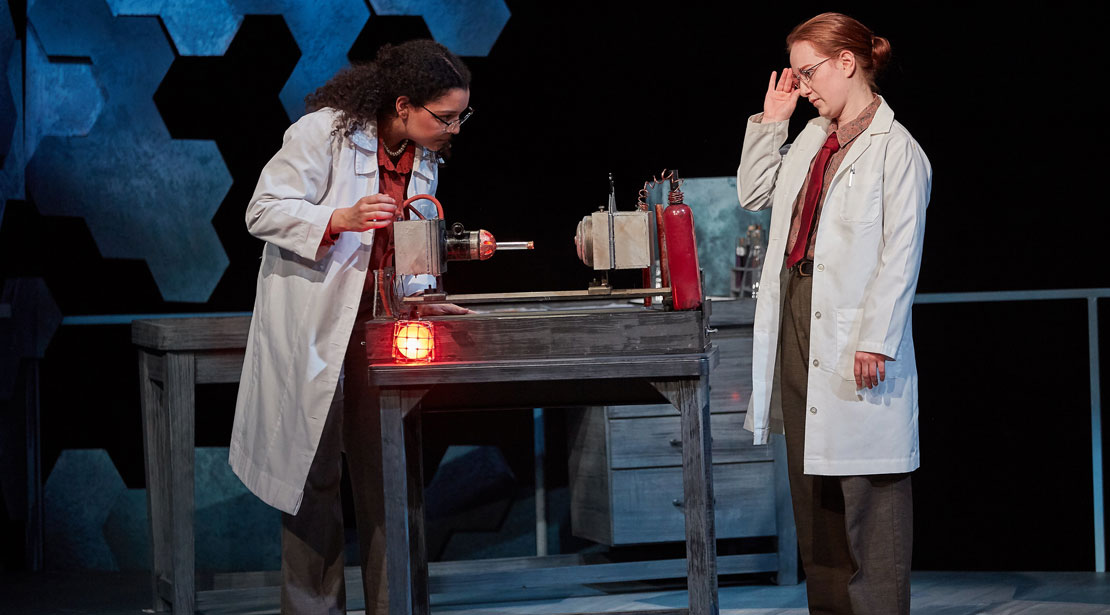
{"x": 738, "y": 271}
{"x": 754, "y": 266}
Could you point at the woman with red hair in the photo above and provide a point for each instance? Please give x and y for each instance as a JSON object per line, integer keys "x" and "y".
{"x": 833, "y": 357}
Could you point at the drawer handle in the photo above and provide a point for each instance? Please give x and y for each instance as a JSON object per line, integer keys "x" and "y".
{"x": 677, "y": 503}
{"x": 677, "y": 442}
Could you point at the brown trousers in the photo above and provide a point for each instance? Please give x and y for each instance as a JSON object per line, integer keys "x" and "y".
{"x": 312, "y": 541}
{"x": 855, "y": 533}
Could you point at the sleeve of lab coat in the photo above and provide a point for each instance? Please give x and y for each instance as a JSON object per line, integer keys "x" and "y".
{"x": 907, "y": 182}
{"x": 284, "y": 209}
{"x": 760, "y": 161}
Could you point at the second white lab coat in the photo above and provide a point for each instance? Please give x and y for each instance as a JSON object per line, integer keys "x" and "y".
{"x": 866, "y": 259}
{"x": 306, "y": 299}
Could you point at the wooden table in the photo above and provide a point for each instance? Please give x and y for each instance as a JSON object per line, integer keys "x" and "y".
{"x": 680, "y": 379}
{"x": 175, "y": 355}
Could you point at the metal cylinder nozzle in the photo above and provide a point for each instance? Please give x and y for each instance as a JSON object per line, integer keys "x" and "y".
{"x": 516, "y": 245}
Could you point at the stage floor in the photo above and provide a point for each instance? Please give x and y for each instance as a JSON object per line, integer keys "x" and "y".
{"x": 934, "y": 593}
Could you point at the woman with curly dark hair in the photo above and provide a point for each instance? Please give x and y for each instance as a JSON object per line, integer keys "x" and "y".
{"x": 324, "y": 206}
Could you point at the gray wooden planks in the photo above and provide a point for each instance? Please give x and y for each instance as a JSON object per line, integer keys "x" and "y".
{"x": 492, "y": 337}
{"x": 418, "y": 550}
{"x": 156, "y": 449}
{"x": 648, "y": 503}
{"x": 591, "y": 513}
{"x": 731, "y": 382}
{"x": 691, "y": 397}
{"x": 542, "y": 370}
{"x": 219, "y": 366}
{"x": 657, "y": 441}
{"x": 179, "y": 408}
{"x": 463, "y": 582}
{"x": 202, "y": 333}
{"x": 220, "y": 360}
{"x": 478, "y": 577}
{"x": 732, "y": 313}
{"x": 401, "y": 572}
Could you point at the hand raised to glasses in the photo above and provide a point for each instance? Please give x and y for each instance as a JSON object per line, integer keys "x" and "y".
{"x": 779, "y": 103}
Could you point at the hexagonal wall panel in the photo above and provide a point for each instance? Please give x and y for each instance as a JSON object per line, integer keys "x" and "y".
{"x": 143, "y": 194}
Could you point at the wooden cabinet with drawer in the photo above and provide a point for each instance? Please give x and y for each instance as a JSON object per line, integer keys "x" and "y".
{"x": 626, "y": 463}
{"x": 626, "y": 477}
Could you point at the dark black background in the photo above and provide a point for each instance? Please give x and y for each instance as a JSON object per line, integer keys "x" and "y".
{"x": 1002, "y": 101}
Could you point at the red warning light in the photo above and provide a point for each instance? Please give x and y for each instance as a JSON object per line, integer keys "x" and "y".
{"x": 413, "y": 342}
{"x": 487, "y": 244}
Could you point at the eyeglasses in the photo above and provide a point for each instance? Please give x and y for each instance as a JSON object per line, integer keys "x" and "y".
{"x": 455, "y": 123}
{"x": 806, "y": 74}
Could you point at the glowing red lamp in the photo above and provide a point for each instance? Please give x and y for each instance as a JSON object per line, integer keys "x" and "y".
{"x": 487, "y": 244}
{"x": 413, "y": 342}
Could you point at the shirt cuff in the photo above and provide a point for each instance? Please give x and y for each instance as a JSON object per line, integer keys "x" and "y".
{"x": 877, "y": 348}
{"x": 760, "y": 436}
{"x": 329, "y": 237}
{"x": 758, "y": 119}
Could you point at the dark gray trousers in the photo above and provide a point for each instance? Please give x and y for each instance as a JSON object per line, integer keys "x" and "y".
{"x": 312, "y": 541}
{"x": 855, "y": 533}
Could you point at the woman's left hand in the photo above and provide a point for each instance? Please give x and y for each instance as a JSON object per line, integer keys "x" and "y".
{"x": 870, "y": 369}
{"x": 442, "y": 309}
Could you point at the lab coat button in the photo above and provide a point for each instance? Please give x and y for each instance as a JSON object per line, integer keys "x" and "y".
{"x": 817, "y": 315}
{"x": 813, "y": 410}
{"x": 820, "y": 267}
{"x": 816, "y": 363}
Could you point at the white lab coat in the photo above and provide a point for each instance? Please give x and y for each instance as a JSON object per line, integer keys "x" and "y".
{"x": 306, "y": 298}
{"x": 866, "y": 260}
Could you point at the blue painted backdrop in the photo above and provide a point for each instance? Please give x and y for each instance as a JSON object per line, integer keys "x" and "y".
{"x": 93, "y": 144}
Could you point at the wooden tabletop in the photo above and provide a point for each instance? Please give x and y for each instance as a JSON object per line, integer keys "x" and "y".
{"x": 229, "y": 332}
{"x": 202, "y": 333}
{"x": 540, "y": 370}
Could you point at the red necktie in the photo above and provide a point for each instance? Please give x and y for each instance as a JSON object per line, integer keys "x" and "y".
{"x": 816, "y": 180}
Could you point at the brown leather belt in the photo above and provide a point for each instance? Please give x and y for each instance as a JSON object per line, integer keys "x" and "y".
{"x": 803, "y": 269}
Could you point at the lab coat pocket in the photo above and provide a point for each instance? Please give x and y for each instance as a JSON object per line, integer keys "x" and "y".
{"x": 863, "y": 197}
{"x": 847, "y": 338}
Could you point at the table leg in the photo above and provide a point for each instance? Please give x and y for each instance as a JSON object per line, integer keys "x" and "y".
{"x": 414, "y": 456}
{"x": 691, "y": 397}
{"x": 180, "y": 414}
{"x": 403, "y": 487}
{"x": 156, "y": 458}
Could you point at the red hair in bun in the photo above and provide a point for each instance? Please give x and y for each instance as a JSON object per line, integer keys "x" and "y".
{"x": 830, "y": 33}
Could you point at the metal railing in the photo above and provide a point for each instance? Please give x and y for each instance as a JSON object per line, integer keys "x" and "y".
{"x": 1091, "y": 295}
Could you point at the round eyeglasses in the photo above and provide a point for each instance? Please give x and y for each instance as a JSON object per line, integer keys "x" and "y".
{"x": 455, "y": 123}
{"x": 806, "y": 74}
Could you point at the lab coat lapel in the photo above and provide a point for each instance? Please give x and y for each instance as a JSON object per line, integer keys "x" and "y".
{"x": 801, "y": 157}
{"x": 881, "y": 123}
{"x": 860, "y": 146}
{"x": 365, "y": 143}
{"x": 423, "y": 171}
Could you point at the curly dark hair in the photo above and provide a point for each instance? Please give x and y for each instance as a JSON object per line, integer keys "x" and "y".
{"x": 421, "y": 69}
